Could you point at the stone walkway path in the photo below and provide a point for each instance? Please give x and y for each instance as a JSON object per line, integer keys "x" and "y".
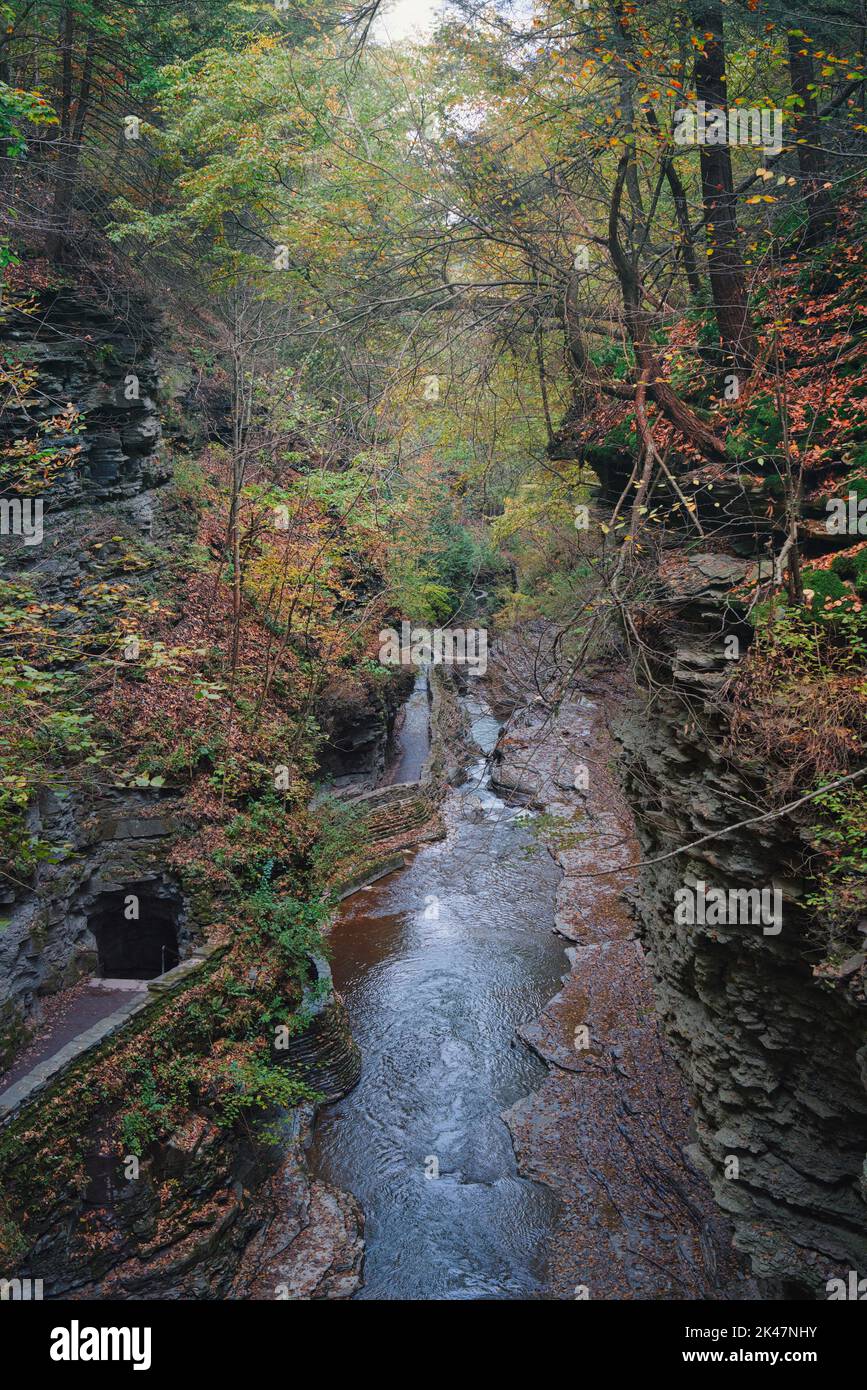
{"x": 68, "y": 1014}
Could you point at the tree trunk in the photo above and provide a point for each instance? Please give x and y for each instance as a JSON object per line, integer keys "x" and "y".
{"x": 627, "y": 77}
{"x": 681, "y": 212}
{"x": 632, "y": 63}
{"x": 638, "y": 327}
{"x": 725, "y": 264}
{"x": 821, "y": 219}
{"x": 70, "y": 139}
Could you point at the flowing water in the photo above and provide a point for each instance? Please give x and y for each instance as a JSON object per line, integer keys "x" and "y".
{"x": 413, "y": 740}
{"x": 438, "y": 965}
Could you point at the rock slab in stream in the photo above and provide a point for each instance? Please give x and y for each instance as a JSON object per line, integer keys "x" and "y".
{"x": 311, "y": 1245}
{"x": 609, "y": 1128}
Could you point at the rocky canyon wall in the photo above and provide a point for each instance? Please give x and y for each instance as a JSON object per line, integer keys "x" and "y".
{"x": 774, "y": 1053}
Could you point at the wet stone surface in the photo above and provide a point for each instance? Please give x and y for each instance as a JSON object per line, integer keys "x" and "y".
{"x": 609, "y": 1127}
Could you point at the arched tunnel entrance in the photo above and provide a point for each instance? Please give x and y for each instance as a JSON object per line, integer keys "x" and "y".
{"x": 136, "y": 931}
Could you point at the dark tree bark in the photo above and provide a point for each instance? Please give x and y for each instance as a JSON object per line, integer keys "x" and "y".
{"x": 590, "y": 381}
{"x": 625, "y": 49}
{"x": 725, "y": 265}
{"x": 628, "y": 54}
{"x": 681, "y": 211}
{"x": 638, "y": 326}
{"x": 73, "y": 115}
{"x": 821, "y": 220}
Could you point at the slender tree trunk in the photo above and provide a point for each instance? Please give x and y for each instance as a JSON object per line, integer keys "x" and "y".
{"x": 725, "y": 263}
{"x": 627, "y": 76}
{"x": 71, "y": 136}
{"x": 681, "y": 212}
{"x": 627, "y": 50}
{"x": 638, "y": 326}
{"x": 590, "y": 381}
{"x": 543, "y": 383}
{"x": 821, "y": 219}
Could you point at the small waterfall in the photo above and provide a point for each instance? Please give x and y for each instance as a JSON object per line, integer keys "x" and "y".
{"x": 413, "y": 735}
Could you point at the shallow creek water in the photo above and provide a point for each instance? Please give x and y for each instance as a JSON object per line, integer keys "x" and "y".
{"x": 438, "y": 964}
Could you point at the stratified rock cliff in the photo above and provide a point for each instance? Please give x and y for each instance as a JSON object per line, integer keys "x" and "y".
{"x": 775, "y": 1056}
{"x": 104, "y": 364}
{"x": 103, "y": 511}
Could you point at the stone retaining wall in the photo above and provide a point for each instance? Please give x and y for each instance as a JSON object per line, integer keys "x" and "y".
{"x": 324, "y": 1053}
{"x": 46, "y": 1073}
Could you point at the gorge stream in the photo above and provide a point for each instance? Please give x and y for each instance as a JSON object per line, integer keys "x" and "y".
{"x": 439, "y": 963}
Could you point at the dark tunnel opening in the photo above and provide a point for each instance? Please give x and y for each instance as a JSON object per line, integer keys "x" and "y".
{"x": 136, "y": 932}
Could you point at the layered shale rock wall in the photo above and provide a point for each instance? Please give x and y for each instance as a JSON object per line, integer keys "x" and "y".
{"x": 775, "y": 1056}
{"x": 101, "y": 514}
{"x": 105, "y": 366}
